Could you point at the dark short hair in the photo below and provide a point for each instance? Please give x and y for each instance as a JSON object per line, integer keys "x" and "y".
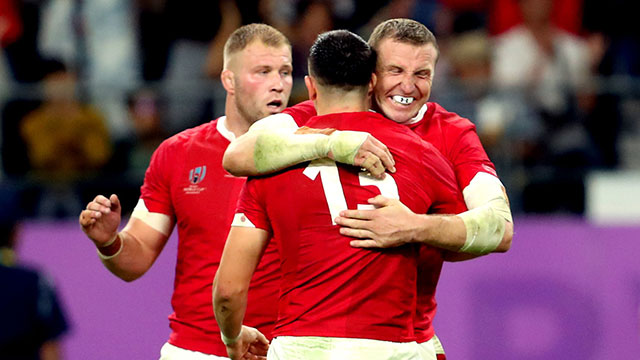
{"x": 402, "y": 30}
{"x": 341, "y": 59}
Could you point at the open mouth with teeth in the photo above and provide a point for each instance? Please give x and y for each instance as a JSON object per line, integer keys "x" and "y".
{"x": 403, "y": 100}
{"x": 274, "y": 104}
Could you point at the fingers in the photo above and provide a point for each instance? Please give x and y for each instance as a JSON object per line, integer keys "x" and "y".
{"x": 88, "y": 217}
{"x": 115, "y": 202}
{"x": 382, "y": 152}
{"x": 356, "y": 233}
{"x": 349, "y": 217}
{"x": 380, "y": 201}
{"x": 369, "y": 243}
{"x": 373, "y": 165}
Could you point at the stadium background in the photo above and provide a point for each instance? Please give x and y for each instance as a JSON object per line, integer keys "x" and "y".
{"x": 568, "y": 288}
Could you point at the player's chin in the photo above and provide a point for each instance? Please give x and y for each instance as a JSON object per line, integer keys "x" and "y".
{"x": 400, "y": 115}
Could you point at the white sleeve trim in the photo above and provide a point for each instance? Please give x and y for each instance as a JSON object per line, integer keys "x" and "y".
{"x": 240, "y": 220}
{"x": 158, "y": 221}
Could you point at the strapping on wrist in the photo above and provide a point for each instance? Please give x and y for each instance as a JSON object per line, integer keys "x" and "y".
{"x": 111, "y": 248}
{"x": 230, "y": 341}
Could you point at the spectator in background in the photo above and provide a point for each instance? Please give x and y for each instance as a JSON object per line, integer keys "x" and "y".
{"x": 33, "y": 320}
{"x": 313, "y": 18}
{"x": 145, "y": 110}
{"x": 181, "y": 43}
{"x": 613, "y": 33}
{"x": 66, "y": 140}
{"x": 64, "y": 136}
{"x": 550, "y": 68}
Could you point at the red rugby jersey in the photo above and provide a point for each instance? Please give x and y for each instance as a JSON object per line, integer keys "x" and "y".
{"x": 185, "y": 180}
{"x": 330, "y": 288}
{"x": 456, "y": 138}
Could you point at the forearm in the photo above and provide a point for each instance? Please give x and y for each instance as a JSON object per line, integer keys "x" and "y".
{"x": 229, "y": 311}
{"x": 132, "y": 260}
{"x": 445, "y": 232}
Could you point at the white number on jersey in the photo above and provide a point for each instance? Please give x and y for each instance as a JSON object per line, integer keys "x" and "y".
{"x": 332, "y": 186}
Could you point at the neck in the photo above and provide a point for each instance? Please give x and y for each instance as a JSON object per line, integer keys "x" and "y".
{"x": 341, "y": 102}
{"x": 236, "y": 123}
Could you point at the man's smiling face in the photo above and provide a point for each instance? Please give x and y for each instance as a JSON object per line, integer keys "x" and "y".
{"x": 405, "y": 73}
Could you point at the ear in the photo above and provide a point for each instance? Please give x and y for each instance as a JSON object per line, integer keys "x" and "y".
{"x": 372, "y": 83}
{"x": 228, "y": 81}
{"x": 310, "y": 82}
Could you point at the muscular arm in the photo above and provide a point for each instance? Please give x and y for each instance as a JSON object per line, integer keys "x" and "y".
{"x": 128, "y": 254}
{"x": 240, "y": 257}
{"x": 275, "y": 143}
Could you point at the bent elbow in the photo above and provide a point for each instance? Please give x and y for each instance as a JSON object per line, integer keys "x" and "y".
{"x": 505, "y": 244}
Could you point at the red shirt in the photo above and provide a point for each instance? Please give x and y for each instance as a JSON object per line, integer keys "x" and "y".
{"x": 456, "y": 138}
{"x": 185, "y": 180}
{"x": 330, "y": 288}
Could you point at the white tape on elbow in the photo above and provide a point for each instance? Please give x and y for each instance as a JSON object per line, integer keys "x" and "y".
{"x": 344, "y": 145}
{"x": 278, "y": 149}
{"x": 485, "y": 229}
{"x": 488, "y": 210}
{"x": 484, "y": 189}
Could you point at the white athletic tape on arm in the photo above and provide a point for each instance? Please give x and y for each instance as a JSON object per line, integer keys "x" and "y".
{"x": 488, "y": 211}
{"x": 344, "y": 145}
{"x": 159, "y": 222}
{"x": 485, "y": 188}
{"x": 278, "y": 149}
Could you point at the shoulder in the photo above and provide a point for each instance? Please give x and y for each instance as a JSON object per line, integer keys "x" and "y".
{"x": 301, "y": 112}
{"x": 188, "y": 135}
{"x": 447, "y": 119}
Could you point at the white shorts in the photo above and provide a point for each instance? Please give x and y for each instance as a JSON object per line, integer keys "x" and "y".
{"x": 331, "y": 348}
{"x": 428, "y": 349}
{"x": 170, "y": 352}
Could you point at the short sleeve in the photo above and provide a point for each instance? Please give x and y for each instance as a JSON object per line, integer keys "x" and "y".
{"x": 469, "y": 157}
{"x": 251, "y": 209}
{"x": 156, "y": 189}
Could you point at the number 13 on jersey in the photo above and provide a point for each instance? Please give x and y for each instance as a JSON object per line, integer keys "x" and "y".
{"x": 333, "y": 191}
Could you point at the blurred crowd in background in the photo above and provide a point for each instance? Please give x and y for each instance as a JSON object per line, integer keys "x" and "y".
{"x": 89, "y": 88}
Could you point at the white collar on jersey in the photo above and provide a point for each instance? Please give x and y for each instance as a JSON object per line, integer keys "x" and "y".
{"x": 418, "y": 116}
{"x": 221, "y": 126}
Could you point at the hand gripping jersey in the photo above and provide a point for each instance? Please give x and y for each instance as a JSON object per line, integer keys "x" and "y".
{"x": 330, "y": 288}
{"x": 186, "y": 181}
{"x": 456, "y": 138}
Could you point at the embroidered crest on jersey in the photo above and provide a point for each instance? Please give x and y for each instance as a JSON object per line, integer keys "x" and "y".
{"x": 196, "y": 175}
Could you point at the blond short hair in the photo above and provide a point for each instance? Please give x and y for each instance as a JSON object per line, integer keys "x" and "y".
{"x": 402, "y": 30}
{"x": 244, "y": 35}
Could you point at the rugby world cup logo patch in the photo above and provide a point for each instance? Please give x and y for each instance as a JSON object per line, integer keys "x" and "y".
{"x": 196, "y": 175}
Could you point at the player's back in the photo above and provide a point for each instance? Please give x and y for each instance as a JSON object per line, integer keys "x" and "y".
{"x": 330, "y": 288}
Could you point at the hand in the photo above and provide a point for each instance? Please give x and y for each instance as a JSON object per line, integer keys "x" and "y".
{"x": 252, "y": 345}
{"x": 101, "y": 219}
{"x": 391, "y": 224}
{"x": 369, "y": 153}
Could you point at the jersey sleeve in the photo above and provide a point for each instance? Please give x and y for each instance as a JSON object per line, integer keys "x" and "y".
{"x": 251, "y": 209}
{"x": 469, "y": 157}
{"x": 301, "y": 112}
{"x": 156, "y": 190}
{"x": 440, "y": 183}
